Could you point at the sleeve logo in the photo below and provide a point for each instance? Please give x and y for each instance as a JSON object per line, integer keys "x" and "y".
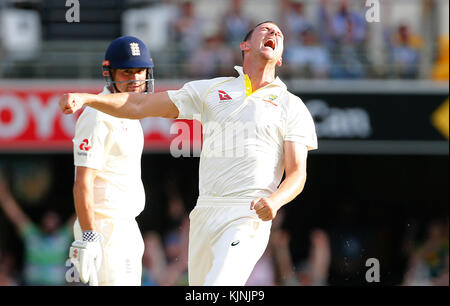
{"x": 84, "y": 146}
{"x": 223, "y": 96}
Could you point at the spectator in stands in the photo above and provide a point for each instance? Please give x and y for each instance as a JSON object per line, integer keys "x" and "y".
{"x": 294, "y": 20}
{"x": 348, "y": 62}
{"x": 235, "y": 23}
{"x": 166, "y": 264}
{"x": 311, "y": 272}
{"x": 405, "y": 53}
{"x": 307, "y": 57}
{"x": 314, "y": 271}
{"x": 441, "y": 67}
{"x": 175, "y": 238}
{"x": 324, "y": 25}
{"x": 7, "y": 264}
{"x": 214, "y": 58}
{"x": 45, "y": 245}
{"x": 154, "y": 263}
{"x": 186, "y": 31}
{"x": 284, "y": 265}
{"x": 429, "y": 263}
{"x": 264, "y": 272}
{"x": 345, "y": 19}
{"x": 267, "y": 268}
{"x": 176, "y": 249}
{"x": 345, "y": 35}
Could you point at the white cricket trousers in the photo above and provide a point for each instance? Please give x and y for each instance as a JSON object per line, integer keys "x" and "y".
{"x": 123, "y": 248}
{"x": 226, "y": 240}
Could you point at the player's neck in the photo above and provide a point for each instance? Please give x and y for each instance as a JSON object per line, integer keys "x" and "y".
{"x": 259, "y": 73}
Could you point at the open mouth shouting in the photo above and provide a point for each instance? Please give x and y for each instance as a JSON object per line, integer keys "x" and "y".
{"x": 270, "y": 43}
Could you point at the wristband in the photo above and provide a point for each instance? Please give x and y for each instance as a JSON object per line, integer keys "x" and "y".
{"x": 92, "y": 236}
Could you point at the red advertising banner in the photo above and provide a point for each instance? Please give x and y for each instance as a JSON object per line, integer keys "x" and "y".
{"x": 30, "y": 120}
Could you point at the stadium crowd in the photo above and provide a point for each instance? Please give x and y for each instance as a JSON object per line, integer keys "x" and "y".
{"x": 326, "y": 39}
{"x": 333, "y": 45}
{"x": 37, "y": 253}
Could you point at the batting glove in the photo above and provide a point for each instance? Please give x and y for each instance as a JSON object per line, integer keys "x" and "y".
{"x": 86, "y": 256}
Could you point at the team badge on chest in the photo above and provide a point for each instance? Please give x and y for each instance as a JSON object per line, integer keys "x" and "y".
{"x": 271, "y": 99}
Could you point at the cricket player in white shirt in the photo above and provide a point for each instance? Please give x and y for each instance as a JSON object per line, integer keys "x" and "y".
{"x": 108, "y": 190}
{"x": 239, "y": 194}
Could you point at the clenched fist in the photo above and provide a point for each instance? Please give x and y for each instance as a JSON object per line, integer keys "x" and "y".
{"x": 71, "y": 102}
{"x": 265, "y": 208}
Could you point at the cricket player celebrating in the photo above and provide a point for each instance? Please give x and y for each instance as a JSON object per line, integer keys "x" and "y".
{"x": 239, "y": 194}
{"x": 108, "y": 190}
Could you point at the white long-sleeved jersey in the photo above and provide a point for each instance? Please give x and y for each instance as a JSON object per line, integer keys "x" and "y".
{"x": 243, "y": 133}
{"x": 113, "y": 146}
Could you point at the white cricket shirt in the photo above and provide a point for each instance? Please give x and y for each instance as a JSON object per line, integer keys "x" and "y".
{"x": 113, "y": 146}
{"x": 243, "y": 133}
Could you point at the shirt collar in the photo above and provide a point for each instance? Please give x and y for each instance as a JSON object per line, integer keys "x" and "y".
{"x": 276, "y": 82}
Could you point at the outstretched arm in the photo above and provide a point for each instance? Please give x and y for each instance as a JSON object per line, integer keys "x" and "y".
{"x": 123, "y": 105}
{"x": 12, "y": 209}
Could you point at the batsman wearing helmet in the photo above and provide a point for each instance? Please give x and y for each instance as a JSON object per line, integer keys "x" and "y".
{"x": 108, "y": 190}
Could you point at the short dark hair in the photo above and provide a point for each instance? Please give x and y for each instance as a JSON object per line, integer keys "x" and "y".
{"x": 250, "y": 33}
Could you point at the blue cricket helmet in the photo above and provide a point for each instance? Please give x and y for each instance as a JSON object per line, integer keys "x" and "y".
{"x": 128, "y": 52}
